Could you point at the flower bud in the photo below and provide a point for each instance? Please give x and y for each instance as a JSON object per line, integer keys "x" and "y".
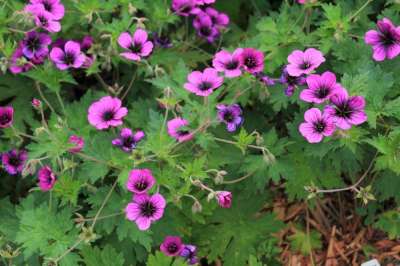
{"x": 224, "y": 199}
{"x": 36, "y": 104}
{"x": 196, "y": 207}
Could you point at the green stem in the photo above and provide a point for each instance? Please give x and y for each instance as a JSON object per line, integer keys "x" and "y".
{"x": 360, "y": 10}
{"x": 60, "y": 101}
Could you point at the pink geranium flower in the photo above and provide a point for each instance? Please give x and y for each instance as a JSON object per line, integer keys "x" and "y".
{"x": 252, "y": 60}
{"x": 137, "y": 46}
{"x": 70, "y": 56}
{"x": 78, "y": 142}
{"x": 228, "y": 63}
{"x": 6, "y": 116}
{"x": 140, "y": 181}
{"x": 43, "y": 18}
{"x": 203, "y": 83}
{"x": 172, "y": 246}
{"x": 316, "y": 125}
{"x": 106, "y": 112}
{"x": 304, "y": 62}
{"x": 47, "y": 178}
{"x": 145, "y": 209}
{"x": 54, "y": 7}
{"x": 177, "y": 128}
{"x": 320, "y": 88}
{"x": 224, "y": 199}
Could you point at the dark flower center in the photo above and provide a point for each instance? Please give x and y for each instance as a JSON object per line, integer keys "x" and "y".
{"x": 108, "y": 115}
{"x": 147, "y": 209}
{"x": 185, "y": 8}
{"x": 205, "y": 86}
{"x": 205, "y": 31}
{"x": 47, "y": 6}
{"x": 33, "y": 43}
{"x": 319, "y": 126}
{"x": 233, "y": 64}
{"x": 172, "y": 248}
{"x": 128, "y": 142}
{"x": 49, "y": 180}
{"x": 43, "y": 21}
{"x": 14, "y": 161}
{"x": 322, "y": 92}
{"x": 228, "y": 117}
{"x": 344, "y": 110}
{"x": 141, "y": 185}
{"x": 136, "y": 48}
{"x": 305, "y": 65}
{"x": 250, "y": 62}
{"x": 388, "y": 38}
{"x": 182, "y": 132}
{"x": 4, "y": 119}
{"x": 69, "y": 58}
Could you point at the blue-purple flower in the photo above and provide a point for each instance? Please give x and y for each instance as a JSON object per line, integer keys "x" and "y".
{"x": 14, "y": 161}
{"x": 291, "y": 82}
{"x": 127, "y": 140}
{"x": 36, "y": 44}
{"x": 189, "y": 253}
{"x": 231, "y": 115}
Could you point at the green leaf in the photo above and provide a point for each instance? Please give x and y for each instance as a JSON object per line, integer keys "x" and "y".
{"x": 305, "y": 243}
{"x": 94, "y": 256}
{"x": 243, "y": 140}
{"x": 159, "y": 259}
{"x": 67, "y": 189}
{"x": 390, "y": 223}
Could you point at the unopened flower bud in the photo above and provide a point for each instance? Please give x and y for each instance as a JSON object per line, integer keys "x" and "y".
{"x": 224, "y": 199}
{"x": 196, "y": 207}
{"x": 36, "y": 103}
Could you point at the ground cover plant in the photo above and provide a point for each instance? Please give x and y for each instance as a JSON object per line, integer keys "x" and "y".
{"x": 199, "y": 132}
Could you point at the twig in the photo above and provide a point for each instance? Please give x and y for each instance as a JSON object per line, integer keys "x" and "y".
{"x": 103, "y": 83}
{"x": 67, "y": 251}
{"x": 238, "y": 179}
{"x": 129, "y": 86}
{"x": 102, "y": 217}
{"x": 359, "y": 10}
{"x": 37, "y": 85}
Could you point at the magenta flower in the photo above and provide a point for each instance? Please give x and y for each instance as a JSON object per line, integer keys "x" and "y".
{"x": 204, "y": 2}
{"x": 78, "y": 142}
{"x": 203, "y": 83}
{"x": 137, "y": 45}
{"x": 385, "y": 42}
{"x": 106, "y": 112}
{"x": 320, "y": 88}
{"x": 70, "y": 56}
{"x": 189, "y": 253}
{"x": 177, "y": 128}
{"x": 346, "y": 111}
{"x": 36, "y": 44}
{"x": 252, "y": 60}
{"x": 86, "y": 43}
{"x": 36, "y": 103}
{"x": 6, "y": 116}
{"x": 219, "y": 19}
{"x": 43, "y": 18}
{"x": 291, "y": 82}
{"x": 224, "y": 199}
{"x": 140, "y": 181}
{"x": 47, "y": 178}
{"x": 128, "y": 141}
{"x": 228, "y": 63}
{"x": 304, "y": 62}
{"x": 145, "y": 209}
{"x": 231, "y": 115}
{"x": 265, "y": 79}
{"x": 54, "y": 7}
{"x": 205, "y": 27}
{"x": 14, "y": 161}
{"x": 20, "y": 63}
{"x": 161, "y": 41}
{"x": 172, "y": 246}
{"x": 184, "y": 7}
{"x": 316, "y": 125}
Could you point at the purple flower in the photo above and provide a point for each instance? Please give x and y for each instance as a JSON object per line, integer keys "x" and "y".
{"x": 265, "y": 79}
{"x": 145, "y": 209}
{"x": 14, "y": 161}
{"x": 177, "y": 128}
{"x": 203, "y": 83}
{"x": 106, "y": 112}
{"x": 43, "y": 18}
{"x": 320, "y": 88}
{"x": 161, "y": 41}
{"x": 205, "y": 27}
{"x": 47, "y": 178}
{"x": 172, "y": 246}
{"x": 189, "y": 253}
{"x": 346, "y": 111}
{"x": 36, "y": 103}
{"x": 78, "y": 142}
{"x": 6, "y": 116}
{"x": 86, "y": 43}
{"x": 36, "y": 44}
{"x": 140, "y": 181}
{"x": 228, "y": 63}
{"x": 70, "y": 56}
{"x": 137, "y": 45}
{"x": 304, "y": 62}
{"x": 184, "y": 7}
{"x": 127, "y": 140}
{"x": 224, "y": 199}
{"x": 316, "y": 125}
{"x": 291, "y": 81}
{"x": 385, "y": 42}
{"x": 252, "y": 60}
{"x": 219, "y": 19}
{"x": 20, "y": 63}
{"x": 204, "y": 2}
{"x": 231, "y": 115}
{"x": 54, "y": 7}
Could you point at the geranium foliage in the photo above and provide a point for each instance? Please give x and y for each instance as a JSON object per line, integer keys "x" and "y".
{"x": 209, "y": 132}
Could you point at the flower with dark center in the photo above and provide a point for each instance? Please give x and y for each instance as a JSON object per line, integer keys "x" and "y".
{"x": 385, "y": 42}
{"x": 189, "y": 253}
{"x": 228, "y": 63}
{"x": 43, "y": 18}
{"x": 184, "y": 7}
{"x": 54, "y": 7}
{"x": 36, "y": 44}
{"x": 346, "y": 111}
{"x": 70, "y": 56}
{"x": 320, "y": 88}
{"x": 128, "y": 141}
{"x": 177, "y": 129}
{"x": 203, "y": 83}
{"x": 231, "y": 115}
{"x": 161, "y": 41}
{"x": 172, "y": 246}
{"x": 316, "y": 125}
{"x": 252, "y": 60}
{"x": 137, "y": 46}
{"x": 219, "y": 19}
{"x": 291, "y": 82}
{"x": 106, "y": 112}
{"x": 140, "y": 181}
{"x": 14, "y": 161}
{"x": 145, "y": 209}
{"x": 6, "y": 116}
{"x": 303, "y": 63}
{"x": 78, "y": 143}
{"x": 205, "y": 27}
{"x": 47, "y": 178}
